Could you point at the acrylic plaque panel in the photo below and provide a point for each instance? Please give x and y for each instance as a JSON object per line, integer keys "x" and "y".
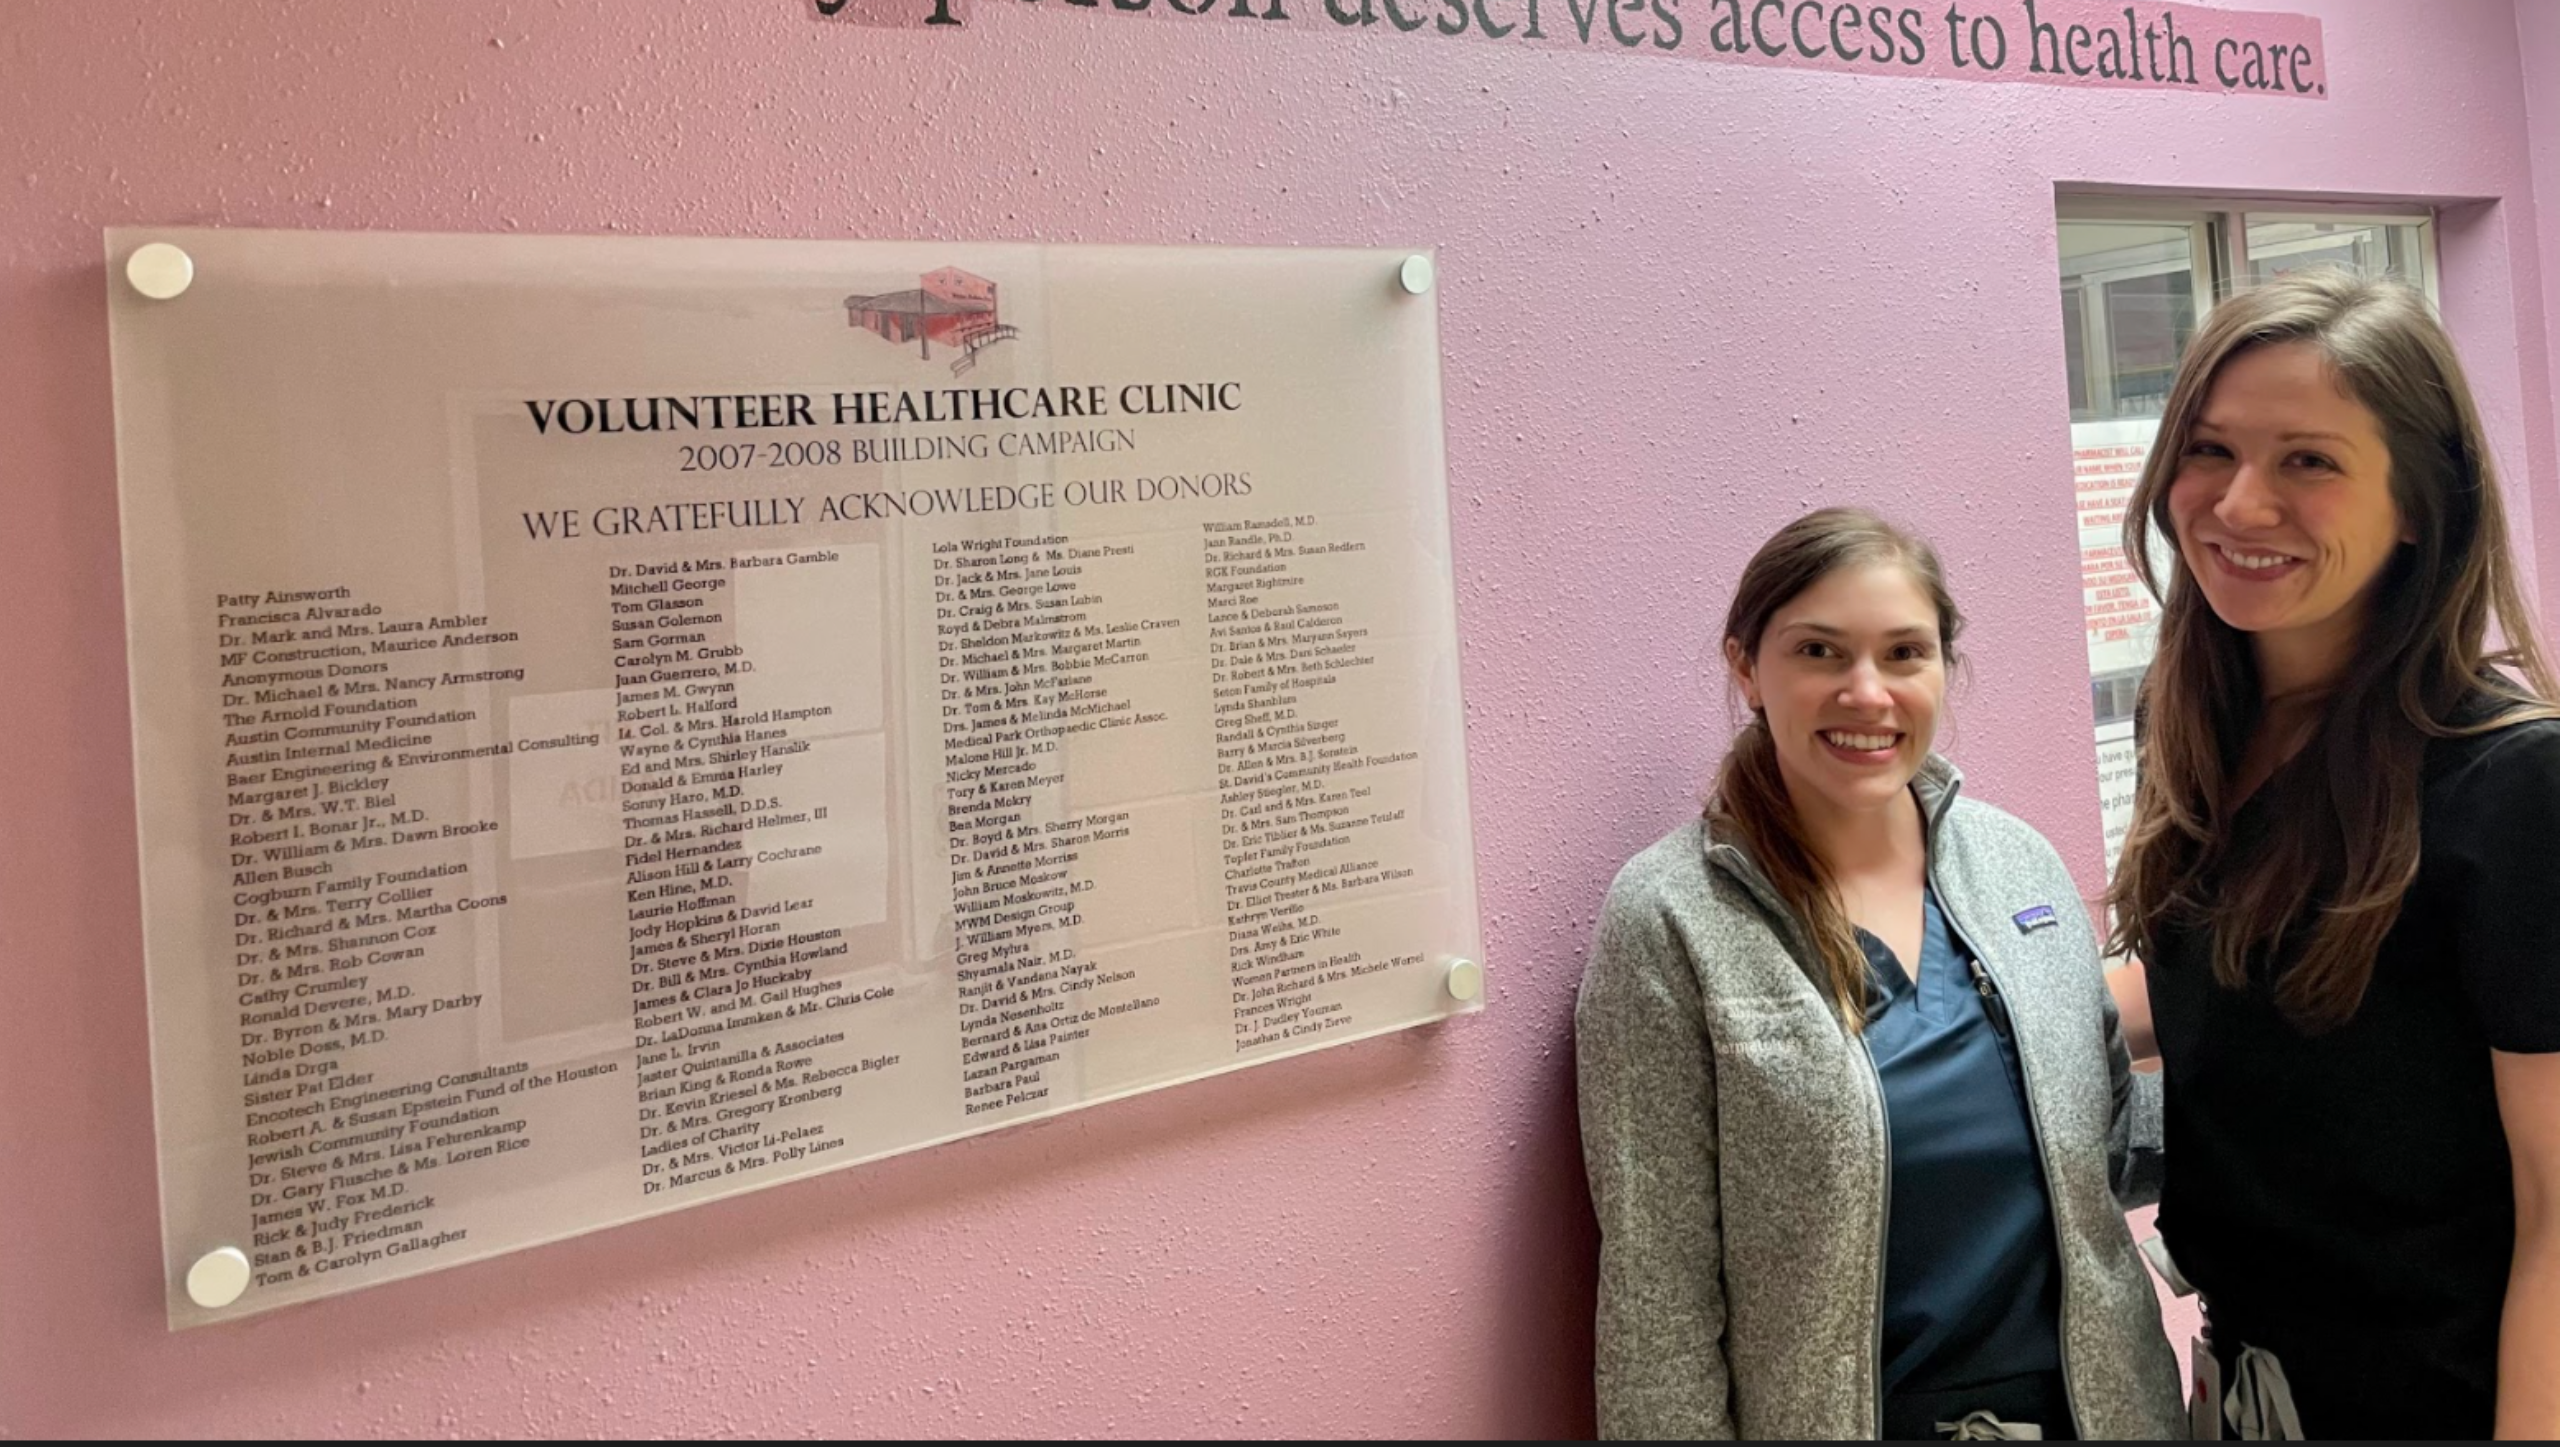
{"x": 623, "y": 722}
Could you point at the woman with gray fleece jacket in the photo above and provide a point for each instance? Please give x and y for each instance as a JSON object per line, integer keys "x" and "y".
{"x": 1857, "y": 1113}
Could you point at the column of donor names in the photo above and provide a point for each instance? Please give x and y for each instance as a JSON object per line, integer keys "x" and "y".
{"x": 1303, "y": 792}
{"x": 1033, "y": 652}
{"x": 743, "y": 1064}
{"x": 349, "y": 733}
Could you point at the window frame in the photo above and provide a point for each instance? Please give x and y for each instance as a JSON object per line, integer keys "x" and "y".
{"x": 2095, "y": 331}
{"x": 2422, "y": 218}
{"x": 2218, "y": 231}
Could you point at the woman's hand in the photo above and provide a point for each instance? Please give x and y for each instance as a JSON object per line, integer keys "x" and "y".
{"x": 2529, "y": 1338}
{"x": 2133, "y": 1007}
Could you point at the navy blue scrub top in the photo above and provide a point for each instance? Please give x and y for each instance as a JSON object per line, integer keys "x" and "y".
{"x": 1972, "y": 1288}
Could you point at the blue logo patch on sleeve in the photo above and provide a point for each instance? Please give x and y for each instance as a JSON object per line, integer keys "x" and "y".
{"x": 2040, "y": 917}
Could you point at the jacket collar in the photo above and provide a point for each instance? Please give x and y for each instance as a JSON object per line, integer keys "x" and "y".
{"x": 1935, "y": 787}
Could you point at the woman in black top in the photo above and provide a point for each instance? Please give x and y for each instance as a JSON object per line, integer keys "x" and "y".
{"x": 2343, "y": 881}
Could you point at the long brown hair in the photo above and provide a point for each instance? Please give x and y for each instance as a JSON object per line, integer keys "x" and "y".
{"x": 2342, "y": 845}
{"x": 1750, "y": 806}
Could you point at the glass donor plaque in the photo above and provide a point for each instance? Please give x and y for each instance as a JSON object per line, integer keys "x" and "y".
{"x": 624, "y": 722}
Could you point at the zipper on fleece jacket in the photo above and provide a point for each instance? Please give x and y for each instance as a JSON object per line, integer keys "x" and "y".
{"x": 2035, "y": 1125}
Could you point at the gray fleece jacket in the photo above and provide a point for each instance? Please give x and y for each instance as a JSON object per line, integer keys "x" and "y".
{"x": 1735, "y": 1137}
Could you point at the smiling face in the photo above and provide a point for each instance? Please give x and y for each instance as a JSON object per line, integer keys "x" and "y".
{"x": 2283, "y": 510}
{"x": 1850, "y": 675}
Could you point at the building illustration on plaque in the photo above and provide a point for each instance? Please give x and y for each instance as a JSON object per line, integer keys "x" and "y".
{"x": 950, "y": 306}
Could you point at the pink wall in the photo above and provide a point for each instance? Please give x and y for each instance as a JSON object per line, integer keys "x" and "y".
{"x": 1682, "y": 302}
{"x": 2538, "y": 44}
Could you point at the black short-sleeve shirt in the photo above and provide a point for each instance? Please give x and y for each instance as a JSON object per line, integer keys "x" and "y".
{"x": 2345, "y": 1199}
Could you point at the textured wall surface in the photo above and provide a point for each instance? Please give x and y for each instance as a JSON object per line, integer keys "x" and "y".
{"x": 1682, "y": 302}
{"x": 2538, "y": 37}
